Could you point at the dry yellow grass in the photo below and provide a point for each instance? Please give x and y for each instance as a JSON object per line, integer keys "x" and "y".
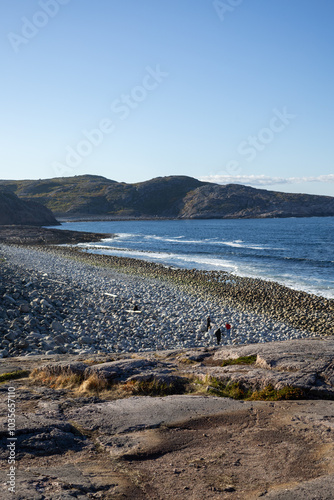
{"x": 93, "y": 384}
{"x": 63, "y": 381}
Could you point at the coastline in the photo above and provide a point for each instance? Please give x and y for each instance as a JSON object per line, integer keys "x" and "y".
{"x": 175, "y": 302}
{"x": 35, "y": 235}
{"x": 297, "y": 253}
{"x": 63, "y": 300}
{"x": 299, "y": 309}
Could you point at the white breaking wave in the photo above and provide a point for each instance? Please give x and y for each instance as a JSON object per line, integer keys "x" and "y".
{"x": 272, "y": 250}
{"x": 209, "y": 263}
{"x": 204, "y": 241}
{"x": 124, "y": 235}
{"x": 239, "y": 244}
{"x": 167, "y": 258}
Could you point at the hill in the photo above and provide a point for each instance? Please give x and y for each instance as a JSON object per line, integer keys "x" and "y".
{"x": 237, "y": 201}
{"x": 168, "y": 197}
{"x": 13, "y": 210}
{"x": 96, "y": 195}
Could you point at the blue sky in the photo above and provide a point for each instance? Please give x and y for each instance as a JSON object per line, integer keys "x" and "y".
{"x": 227, "y": 91}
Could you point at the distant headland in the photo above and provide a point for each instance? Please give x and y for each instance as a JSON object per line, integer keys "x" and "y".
{"x": 177, "y": 197}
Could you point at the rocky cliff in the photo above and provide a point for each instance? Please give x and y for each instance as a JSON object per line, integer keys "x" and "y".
{"x": 14, "y": 210}
{"x": 236, "y": 201}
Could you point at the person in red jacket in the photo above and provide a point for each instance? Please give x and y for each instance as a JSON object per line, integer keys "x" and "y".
{"x": 228, "y": 326}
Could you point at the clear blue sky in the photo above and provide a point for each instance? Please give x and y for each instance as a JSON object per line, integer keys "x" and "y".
{"x": 229, "y": 91}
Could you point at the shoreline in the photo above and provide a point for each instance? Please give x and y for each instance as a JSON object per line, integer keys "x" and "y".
{"x": 256, "y": 295}
{"x": 106, "y": 218}
{"x": 99, "y": 250}
{"x": 62, "y": 300}
{"x": 99, "y": 292}
{"x": 35, "y": 235}
{"x": 265, "y": 258}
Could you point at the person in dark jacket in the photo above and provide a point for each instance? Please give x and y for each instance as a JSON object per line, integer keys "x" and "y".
{"x": 218, "y": 334}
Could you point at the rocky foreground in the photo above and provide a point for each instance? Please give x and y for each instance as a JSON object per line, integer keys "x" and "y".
{"x": 121, "y": 392}
{"x": 154, "y": 425}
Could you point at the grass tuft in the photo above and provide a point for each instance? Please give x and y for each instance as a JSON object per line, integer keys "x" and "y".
{"x": 63, "y": 381}
{"x": 188, "y": 361}
{"x": 94, "y": 384}
{"x": 269, "y": 393}
{"x": 228, "y": 389}
{"x": 154, "y": 387}
{"x": 158, "y": 387}
{"x": 236, "y": 390}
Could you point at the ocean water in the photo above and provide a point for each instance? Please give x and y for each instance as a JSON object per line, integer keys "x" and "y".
{"x": 296, "y": 252}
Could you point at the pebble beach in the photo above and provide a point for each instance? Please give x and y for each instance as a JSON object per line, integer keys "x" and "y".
{"x": 57, "y": 300}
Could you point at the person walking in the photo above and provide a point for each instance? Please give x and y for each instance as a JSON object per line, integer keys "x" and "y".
{"x": 218, "y": 334}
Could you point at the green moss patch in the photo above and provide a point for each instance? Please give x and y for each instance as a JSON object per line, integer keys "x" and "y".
{"x": 271, "y": 394}
{"x": 243, "y": 360}
{"x": 14, "y": 375}
{"x": 228, "y": 389}
{"x": 236, "y": 390}
{"x": 188, "y": 361}
{"x": 155, "y": 387}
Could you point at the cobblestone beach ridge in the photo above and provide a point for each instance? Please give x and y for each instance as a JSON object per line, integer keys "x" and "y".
{"x": 58, "y": 300}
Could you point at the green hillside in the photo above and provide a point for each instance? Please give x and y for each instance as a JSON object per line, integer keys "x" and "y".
{"x": 169, "y": 197}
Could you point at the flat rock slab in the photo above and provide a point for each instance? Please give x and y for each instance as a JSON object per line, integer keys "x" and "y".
{"x": 318, "y": 414}
{"x": 321, "y": 488}
{"x": 305, "y": 363}
{"x": 186, "y": 440}
{"x": 64, "y": 368}
{"x": 137, "y": 413}
{"x": 120, "y": 370}
{"x": 63, "y": 482}
{"x": 276, "y": 353}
